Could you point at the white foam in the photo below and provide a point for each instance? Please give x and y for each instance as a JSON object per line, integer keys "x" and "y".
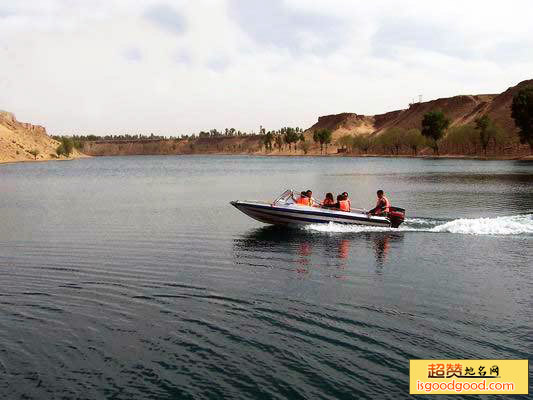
{"x": 510, "y": 225}
{"x": 513, "y": 225}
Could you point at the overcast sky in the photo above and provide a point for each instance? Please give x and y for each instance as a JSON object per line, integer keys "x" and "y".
{"x": 176, "y": 67}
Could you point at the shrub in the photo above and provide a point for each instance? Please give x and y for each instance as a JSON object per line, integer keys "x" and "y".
{"x": 34, "y": 153}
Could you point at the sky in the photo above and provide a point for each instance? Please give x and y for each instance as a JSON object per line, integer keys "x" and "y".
{"x": 178, "y": 67}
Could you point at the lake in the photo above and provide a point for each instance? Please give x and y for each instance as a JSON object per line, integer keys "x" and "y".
{"x": 133, "y": 277}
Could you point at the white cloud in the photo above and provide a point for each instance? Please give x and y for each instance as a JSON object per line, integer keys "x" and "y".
{"x": 182, "y": 66}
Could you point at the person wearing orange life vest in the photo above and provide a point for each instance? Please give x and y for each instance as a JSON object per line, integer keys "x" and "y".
{"x": 303, "y": 200}
{"x": 344, "y": 203}
{"x": 345, "y": 194}
{"x": 382, "y": 205}
{"x": 306, "y": 199}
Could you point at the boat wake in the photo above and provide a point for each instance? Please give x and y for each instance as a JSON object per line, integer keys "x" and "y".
{"x": 509, "y": 225}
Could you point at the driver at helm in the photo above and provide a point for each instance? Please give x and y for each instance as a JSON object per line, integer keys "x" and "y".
{"x": 382, "y": 206}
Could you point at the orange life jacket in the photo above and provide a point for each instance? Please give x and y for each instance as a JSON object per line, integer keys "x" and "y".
{"x": 328, "y": 202}
{"x": 303, "y": 201}
{"x": 344, "y": 205}
{"x": 384, "y": 203}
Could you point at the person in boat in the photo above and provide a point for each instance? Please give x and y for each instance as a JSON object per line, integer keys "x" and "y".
{"x": 312, "y": 202}
{"x": 344, "y": 202}
{"x": 306, "y": 199}
{"x": 382, "y": 206}
{"x": 328, "y": 201}
{"x": 345, "y": 194}
{"x": 339, "y": 205}
{"x": 303, "y": 200}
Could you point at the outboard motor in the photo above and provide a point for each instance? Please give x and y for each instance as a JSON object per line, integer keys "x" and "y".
{"x": 396, "y": 216}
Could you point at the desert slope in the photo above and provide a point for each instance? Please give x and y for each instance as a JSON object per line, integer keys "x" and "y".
{"x": 461, "y": 110}
{"x": 18, "y": 139}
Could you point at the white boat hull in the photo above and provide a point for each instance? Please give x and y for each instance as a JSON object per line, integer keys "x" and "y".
{"x": 293, "y": 214}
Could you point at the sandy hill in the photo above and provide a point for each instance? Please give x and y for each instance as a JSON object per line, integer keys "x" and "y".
{"x": 18, "y": 139}
{"x": 461, "y": 110}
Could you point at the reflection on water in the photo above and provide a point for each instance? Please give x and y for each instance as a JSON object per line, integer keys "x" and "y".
{"x": 264, "y": 246}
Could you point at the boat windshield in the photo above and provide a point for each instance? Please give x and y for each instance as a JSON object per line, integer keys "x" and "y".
{"x": 287, "y": 197}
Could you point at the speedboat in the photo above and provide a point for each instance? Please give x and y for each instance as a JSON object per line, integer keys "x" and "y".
{"x": 285, "y": 211}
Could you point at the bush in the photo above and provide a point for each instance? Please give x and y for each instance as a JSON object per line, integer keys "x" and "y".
{"x": 66, "y": 147}
{"x": 34, "y": 153}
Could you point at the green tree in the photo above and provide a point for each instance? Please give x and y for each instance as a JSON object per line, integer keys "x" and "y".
{"x": 414, "y": 139}
{"x": 487, "y": 131}
{"x": 267, "y": 140}
{"x": 66, "y": 147}
{"x": 323, "y": 136}
{"x": 434, "y": 124}
{"x": 34, "y": 153}
{"x": 290, "y": 136}
{"x": 522, "y": 113}
{"x": 279, "y": 142}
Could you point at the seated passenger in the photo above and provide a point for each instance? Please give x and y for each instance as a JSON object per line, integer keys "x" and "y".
{"x": 344, "y": 203}
{"x": 382, "y": 206}
{"x": 337, "y": 205}
{"x": 328, "y": 201}
{"x": 345, "y": 194}
{"x": 303, "y": 200}
{"x": 312, "y": 202}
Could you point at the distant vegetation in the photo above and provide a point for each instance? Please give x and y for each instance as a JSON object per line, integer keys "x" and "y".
{"x": 434, "y": 124}
{"x": 522, "y": 113}
{"x": 66, "y": 147}
{"x": 464, "y": 139}
{"x": 34, "y": 153}
{"x": 322, "y": 136}
{"x": 478, "y": 137}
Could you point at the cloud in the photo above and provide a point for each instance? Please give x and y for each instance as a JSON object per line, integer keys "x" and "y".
{"x": 132, "y": 54}
{"x": 394, "y": 35}
{"x": 217, "y": 64}
{"x": 183, "y": 66}
{"x": 166, "y": 17}
{"x": 276, "y": 24}
{"x": 182, "y": 57}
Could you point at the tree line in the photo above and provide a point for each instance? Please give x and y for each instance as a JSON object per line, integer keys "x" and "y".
{"x": 435, "y": 132}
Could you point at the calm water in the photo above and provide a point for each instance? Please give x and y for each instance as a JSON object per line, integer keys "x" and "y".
{"x": 132, "y": 277}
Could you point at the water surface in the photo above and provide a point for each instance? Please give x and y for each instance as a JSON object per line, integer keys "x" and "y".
{"x": 133, "y": 277}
